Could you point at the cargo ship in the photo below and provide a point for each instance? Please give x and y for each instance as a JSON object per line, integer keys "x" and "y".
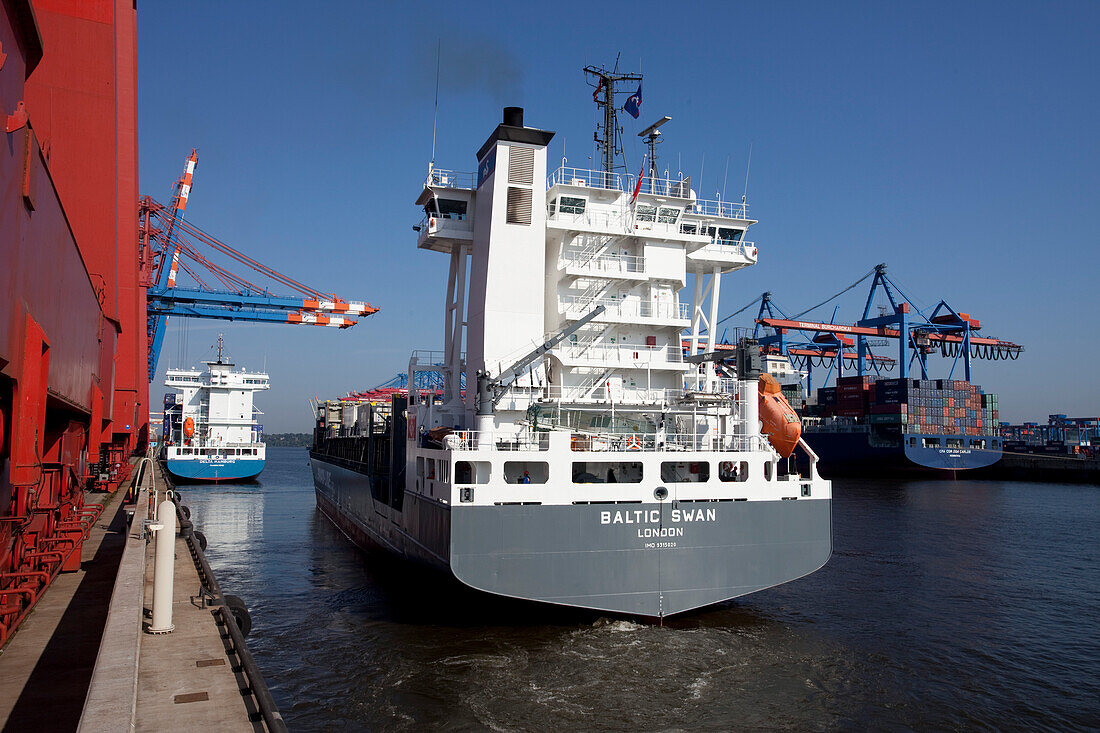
{"x": 590, "y": 463}
{"x": 884, "y": 427}
{"x": 209, "y": 431}
{"x": 73, "y": 389}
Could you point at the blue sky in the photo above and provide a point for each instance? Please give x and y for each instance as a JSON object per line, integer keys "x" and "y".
{"x": 956, "y": 142}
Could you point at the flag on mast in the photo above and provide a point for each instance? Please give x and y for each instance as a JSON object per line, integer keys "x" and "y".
{"x": 638, "y": 184}
{"x": 596, "y": 94}
{"x": 634, "y": 102}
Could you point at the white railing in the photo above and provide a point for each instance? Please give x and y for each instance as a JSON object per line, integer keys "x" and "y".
{"x": 651, "y": 442}
{"x": 618, "y": 394}
{"x": 451, "y": 179}
{"x": 523, "y": 440}
{"x": 728, "y": 249}
{"x": 606, "y": 263}
{"x": 643, "y": 309}
{"x": 622, "y": 353}
{"x": 669, "y": 187}
{"x": 721, "y": 209}
{"x": 589, "y": 179}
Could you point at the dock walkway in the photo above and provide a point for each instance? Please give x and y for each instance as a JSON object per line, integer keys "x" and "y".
{"x": 83, "y": 660}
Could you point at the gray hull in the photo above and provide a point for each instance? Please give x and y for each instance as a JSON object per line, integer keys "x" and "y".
{"x": 652, "y": 559}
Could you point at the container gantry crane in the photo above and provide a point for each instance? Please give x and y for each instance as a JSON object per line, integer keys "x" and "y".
{"x": 918, "y": 334}
{"x": 168, "y": 243}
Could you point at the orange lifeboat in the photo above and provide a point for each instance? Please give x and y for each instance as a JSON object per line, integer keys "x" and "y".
{"x": 188, "y": 428}
{"x": 780, "y": 421}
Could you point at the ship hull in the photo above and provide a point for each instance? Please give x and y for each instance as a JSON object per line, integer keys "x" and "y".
{"x": 215, "y": 470}
{"x": 636, "y": 559}
{"x": 852, "y": 454}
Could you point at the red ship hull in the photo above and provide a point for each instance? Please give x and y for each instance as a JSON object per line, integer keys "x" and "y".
{"x": 73, "y": 393}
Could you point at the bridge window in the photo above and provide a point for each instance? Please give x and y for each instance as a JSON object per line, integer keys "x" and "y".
{"x": 689, "y": 229}
{"x": 571, "y": 205}
{"x": 644, "y": 212}
{"x": 447, "y": 209}
{"x": 668, "y": 216}
{"x": 730, "y": 236}
{"x": 685, "y": 472}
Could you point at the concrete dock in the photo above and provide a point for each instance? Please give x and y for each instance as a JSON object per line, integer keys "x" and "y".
{"x": 84, "y": 660}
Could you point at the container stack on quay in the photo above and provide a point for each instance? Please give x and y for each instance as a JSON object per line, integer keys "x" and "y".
{"x": 930, "y": 406}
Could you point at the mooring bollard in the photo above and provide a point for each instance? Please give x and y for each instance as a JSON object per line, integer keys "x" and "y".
{"x": 163, "y": 568}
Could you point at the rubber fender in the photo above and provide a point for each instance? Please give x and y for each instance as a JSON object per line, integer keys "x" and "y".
{"x": 201, "y": 539}
{"x": 239, "y": 611}
{"x": 185, "y": 511}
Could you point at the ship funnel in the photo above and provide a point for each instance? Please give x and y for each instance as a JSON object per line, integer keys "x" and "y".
{"x": 513, "y": 116}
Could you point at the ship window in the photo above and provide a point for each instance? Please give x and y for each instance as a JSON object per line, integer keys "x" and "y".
{"x": 954, "y": 443}
{"x": 977, "y": 444}
{"x": 667, "y": 215}
{"x": 447, "y": 209}
{"x": 571, "y": 205}
{"x": 472, "y": 472}
{"x": 538, "y": 472}
{"x": 685, "y": 472}
{"x": 931, "y": 442}
{"x": 733, "y": 471}
{"x": 768, "y": 471}
{"x": 607, "y": 472}
{"x": 689, "y": 229}
{"x": 646, "y": 212}
{"x": 730, "y": 236}
{"x": 420, "y": 466}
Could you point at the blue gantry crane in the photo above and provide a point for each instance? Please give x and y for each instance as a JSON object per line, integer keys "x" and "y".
{"x": 169, "y": 245}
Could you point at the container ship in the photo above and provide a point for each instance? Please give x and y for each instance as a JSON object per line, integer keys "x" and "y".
{"x": 209, "y": 431}
{"x": 590, "y": 463}
{"x": 73, "y": 387}
{"x": 883, "y": 427}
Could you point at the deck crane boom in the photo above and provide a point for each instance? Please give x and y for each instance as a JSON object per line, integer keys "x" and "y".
{"x": 168, "y": 243}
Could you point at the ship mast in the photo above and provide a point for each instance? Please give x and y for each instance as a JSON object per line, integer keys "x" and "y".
{"x": 219, "y": 348}
{"x": 608, "y": 135}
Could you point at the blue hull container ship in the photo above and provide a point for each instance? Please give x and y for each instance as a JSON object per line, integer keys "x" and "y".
{"x": 210, "y": 432}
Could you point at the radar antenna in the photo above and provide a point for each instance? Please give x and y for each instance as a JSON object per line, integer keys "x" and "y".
{"x": 609, "y": 135}
{"x": 651, "y": 136}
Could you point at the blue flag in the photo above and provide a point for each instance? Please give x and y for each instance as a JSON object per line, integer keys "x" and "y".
{"x": 634, "y": 102}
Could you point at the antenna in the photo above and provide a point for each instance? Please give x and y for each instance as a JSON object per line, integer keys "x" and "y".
{"x": 435, "y": 117}
{"x": 745, "y": 195}
{"x": 608, "y": 137}
{"x": 651, "y": 136}
{"x": 219, "y": 348}
{"x": 725, "y": 176}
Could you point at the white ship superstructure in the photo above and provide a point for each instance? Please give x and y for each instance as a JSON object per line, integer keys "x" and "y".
{"x": 212, "y": 429}
{"x": 588, "y": 462}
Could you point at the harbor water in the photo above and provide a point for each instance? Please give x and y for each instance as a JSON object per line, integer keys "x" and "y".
{"x": 946, "y": 605}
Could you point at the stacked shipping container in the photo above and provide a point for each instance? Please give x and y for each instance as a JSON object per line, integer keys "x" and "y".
{"x": 935, "y": 407}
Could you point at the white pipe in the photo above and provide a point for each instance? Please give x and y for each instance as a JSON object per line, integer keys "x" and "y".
{"x": 163, "y": 568}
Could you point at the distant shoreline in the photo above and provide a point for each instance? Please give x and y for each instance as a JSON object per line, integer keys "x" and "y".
{"x": 288, "y": 440}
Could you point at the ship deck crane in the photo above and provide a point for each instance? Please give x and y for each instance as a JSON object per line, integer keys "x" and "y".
{"x": 168, "y": 243}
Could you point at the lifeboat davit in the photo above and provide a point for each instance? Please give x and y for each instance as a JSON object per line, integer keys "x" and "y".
{"x": 188, "y": 428}
{"x": 780, "y": 421}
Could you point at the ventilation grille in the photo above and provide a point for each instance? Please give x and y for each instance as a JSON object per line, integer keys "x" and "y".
{"x": 519, "y": 205}
{"x": 521, "y": 166}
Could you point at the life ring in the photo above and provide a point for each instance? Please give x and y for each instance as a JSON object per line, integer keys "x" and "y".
{"x": 632, "y": 443}
{"x": 188, "y": 427}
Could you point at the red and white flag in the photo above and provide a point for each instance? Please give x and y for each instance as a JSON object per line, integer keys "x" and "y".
{"x": 638, "y": 185}
{"x": 596, "y": 94}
